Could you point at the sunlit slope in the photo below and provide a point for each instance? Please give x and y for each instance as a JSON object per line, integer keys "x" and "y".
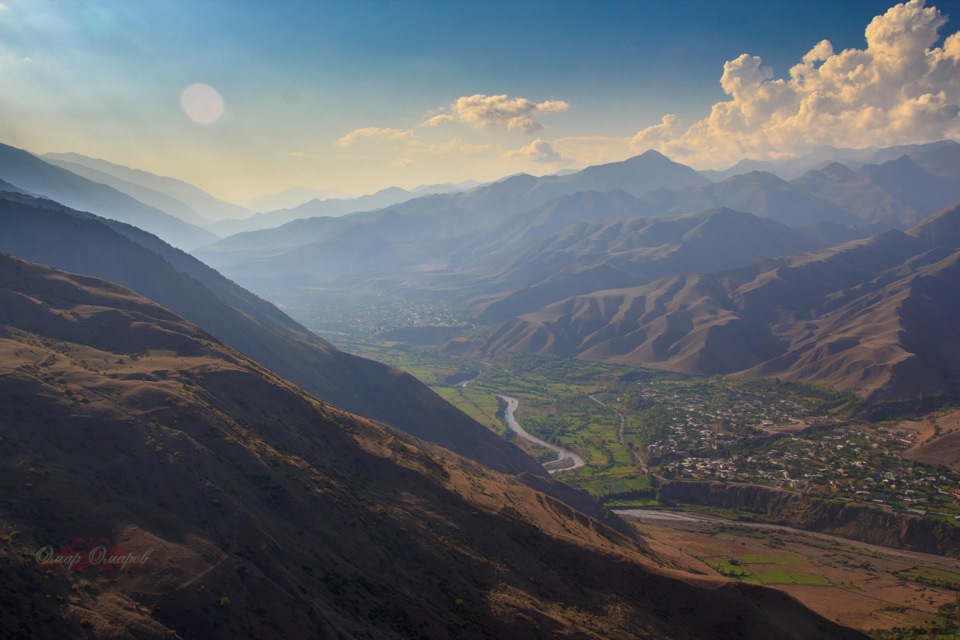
{"x": 266, "y": 513}
{"x": 878, "y": 316}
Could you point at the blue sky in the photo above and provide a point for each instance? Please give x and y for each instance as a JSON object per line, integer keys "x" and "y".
{"x": 363, "y": 95}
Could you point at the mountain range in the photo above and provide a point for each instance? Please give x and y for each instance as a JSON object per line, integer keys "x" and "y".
{"x": 312, "y": 207}
{"x": 879, "y": 316}
{"x": 245, "y": 507}
{"x": 443, "y": 234}
{"x": 173, "y": 196}
{"x": 517, "y": 250}
{"x": 26, "y": 171}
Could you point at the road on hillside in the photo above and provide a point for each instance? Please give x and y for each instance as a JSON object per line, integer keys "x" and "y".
{"x": 566, "y": 460}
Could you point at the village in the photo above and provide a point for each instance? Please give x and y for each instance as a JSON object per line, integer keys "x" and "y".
{"x": 782, "y": 443}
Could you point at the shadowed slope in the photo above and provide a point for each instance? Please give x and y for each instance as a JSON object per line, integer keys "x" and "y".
{"x": 51, "y": 234}
{"x": 258, "y": 511}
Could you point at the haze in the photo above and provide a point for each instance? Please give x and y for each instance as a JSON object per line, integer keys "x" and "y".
{"x": 245, "y": 99}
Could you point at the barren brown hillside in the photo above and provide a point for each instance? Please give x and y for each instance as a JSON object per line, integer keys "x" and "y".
{"x": 878, "y": 316}
{"x": 255, "y": 510}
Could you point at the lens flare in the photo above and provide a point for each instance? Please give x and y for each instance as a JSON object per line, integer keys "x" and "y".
{"x": 202, "y": 103}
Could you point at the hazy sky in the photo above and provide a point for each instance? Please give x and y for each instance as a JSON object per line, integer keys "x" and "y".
{"x": 244, "y": 98}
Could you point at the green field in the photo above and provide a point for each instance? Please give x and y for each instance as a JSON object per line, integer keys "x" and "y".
{"x": 786, "y": 568}
{"x": 933, "y": 577}
{"x": 577, "y": 405}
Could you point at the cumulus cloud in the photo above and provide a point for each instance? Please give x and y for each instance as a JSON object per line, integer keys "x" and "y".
{"x": 498, "y": 111}
{"x": 537, "y": 151}
{"x": 374, "y": 133}
{"x": 653, "y": 135}
{"x": 899, "y": 89}
{"x": 438, "y": 120}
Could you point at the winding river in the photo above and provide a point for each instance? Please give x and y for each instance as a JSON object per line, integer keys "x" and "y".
{"x": 566, "y": 460}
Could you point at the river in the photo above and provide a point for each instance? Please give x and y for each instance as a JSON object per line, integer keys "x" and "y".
{"x": 566, "y": 460}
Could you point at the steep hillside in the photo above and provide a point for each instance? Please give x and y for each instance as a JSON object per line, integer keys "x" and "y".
{"x": 909, "y": 182}
{"x": 855, "y": 193}
{"x": 246, "y": 508}
{"x": 631, "y": 251}
{"x": 941, "y": 229}
{"x": 36, "y": 176}
{"x": 879, "y": 316}
{"x": 45, "y": 232}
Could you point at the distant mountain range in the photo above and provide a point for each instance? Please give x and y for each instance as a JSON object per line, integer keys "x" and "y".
{"x": 446, "y": 230}
{"x": 28, "y": 172}
{"x": 512, "y": 250}
{"x": 934, "y": 157}
{"x": 312, "y": 207}
{"x": 547, "y": 272}
{"x": 429, "y": 218}
{"x": 880, "y": 316}
{"x": 247, "y": 508}
{"x": 176, "y": 197}
{"x": 629, "y": 251}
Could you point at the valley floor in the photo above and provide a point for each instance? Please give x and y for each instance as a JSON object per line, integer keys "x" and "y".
{"x": 867, "y": 587}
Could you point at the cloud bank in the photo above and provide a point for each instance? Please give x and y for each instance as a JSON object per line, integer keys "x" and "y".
{"x": 899, "y": 89}
{"x": 498, "y": 111}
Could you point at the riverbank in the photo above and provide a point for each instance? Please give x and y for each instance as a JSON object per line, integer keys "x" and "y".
{"x": 566, "y": 460}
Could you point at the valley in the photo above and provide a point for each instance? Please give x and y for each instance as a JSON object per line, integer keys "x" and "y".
{"x": 877, "y": 589}
{"x": 539, "y": 320}
{"x": 761, "y": 432}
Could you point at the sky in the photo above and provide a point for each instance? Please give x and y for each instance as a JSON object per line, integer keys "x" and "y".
{"x": 245, "y": 98}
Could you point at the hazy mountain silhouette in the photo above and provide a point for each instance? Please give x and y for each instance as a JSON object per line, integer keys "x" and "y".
{"x": 939, "y": 158}
{"x": 36, "y": 176}
{"x": 855, "y": 193}
{"x": 441, "y": 216}
{"x": 292, "y": 197}
{"x": 910, "y": 183}
{"x": 333, "y": 207}
{"x": 204, "y": 206}
{"x": 757, "y": 192}
{"x": 256, "y": 510}
{"x": 631, "y": 251}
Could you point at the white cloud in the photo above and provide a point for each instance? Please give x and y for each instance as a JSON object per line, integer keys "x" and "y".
{"x": 899, "y": 89}
{"x": 655, "y": 134}
{"x": 498, "y": 111}
{"x": 374, "y": 133}
{"x": 438, "y": 120}
{"x": 537, "y": 151}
